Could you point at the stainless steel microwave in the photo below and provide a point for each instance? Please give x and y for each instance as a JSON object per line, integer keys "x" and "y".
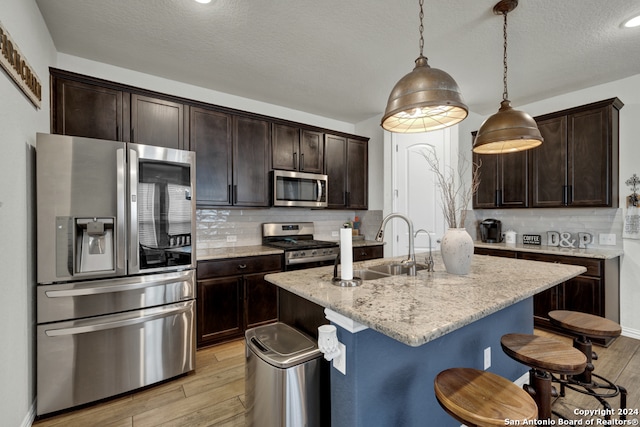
{"x": 299, "y": 189}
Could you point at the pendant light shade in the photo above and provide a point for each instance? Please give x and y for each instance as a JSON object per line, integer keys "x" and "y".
{"x": 508, "y": 130}
{"x": 426, "y": 99}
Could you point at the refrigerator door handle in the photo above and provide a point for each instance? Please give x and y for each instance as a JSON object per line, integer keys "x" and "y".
{"x": 121, "y": 242}
{"x": 119, "y": 286}
{"x": 132, "y": 319}
{"x": 134, "y": 241}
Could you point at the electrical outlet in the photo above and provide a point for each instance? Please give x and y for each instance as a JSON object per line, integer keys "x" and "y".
{"x": 335, "y": 234}
{"x": 340, "y": 362}
{"x": 607, "y": 239}
{"x": 231, "y": 239}
{"x": 487, "y": 358}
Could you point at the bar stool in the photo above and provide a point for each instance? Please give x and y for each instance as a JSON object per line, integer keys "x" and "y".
{"x": 544, "y": 356}
{"x": 481, "y": 398}
{"x": 585, "y": 326}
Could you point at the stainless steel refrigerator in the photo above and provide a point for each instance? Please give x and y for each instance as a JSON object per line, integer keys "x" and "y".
{"x": 115, "y": 268}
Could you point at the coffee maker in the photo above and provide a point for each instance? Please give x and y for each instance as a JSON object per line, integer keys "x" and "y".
{"x": 491, "y": 231}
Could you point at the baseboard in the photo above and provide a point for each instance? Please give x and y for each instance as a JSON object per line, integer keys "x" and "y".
{"x": 30, "y": 417}
{"x": 631, "y": 333}
{"x": 524, "y": 379}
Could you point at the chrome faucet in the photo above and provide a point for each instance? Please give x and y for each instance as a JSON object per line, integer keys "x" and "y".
{"x": 411, "y": 260}
{"x": 429, "y": 259}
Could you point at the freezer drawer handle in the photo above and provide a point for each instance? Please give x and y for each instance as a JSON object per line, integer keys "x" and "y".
{"x": 106, "y": 289}
{"x": 156, "y": 313}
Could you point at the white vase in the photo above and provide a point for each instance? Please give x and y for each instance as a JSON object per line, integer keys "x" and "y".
{"x": 457, "y": 251}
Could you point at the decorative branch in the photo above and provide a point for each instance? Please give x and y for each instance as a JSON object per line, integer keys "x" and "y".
{"x": 453, "y": 193}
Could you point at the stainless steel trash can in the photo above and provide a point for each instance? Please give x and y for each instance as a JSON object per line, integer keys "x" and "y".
{"x": 282, "y": 381}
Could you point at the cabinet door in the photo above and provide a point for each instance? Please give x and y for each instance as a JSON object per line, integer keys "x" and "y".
{"x": 549, "y": 165}
{"x": 81, "y": 109}
{"x": 544, "y": 302}
{"x": 514, "y": 180}
{"x": 157, "y": 122}
{"x": 210, "y": 137}
{"x": 311, "y": 151}
{"x": 589, "y": 151}
{"x": 285, "y": 147}
{"x": 357, "y": 171}
{"x": 220, "y": 310}
{"x": 251, "y": 151}
{"x": 487, "y": 195}
{"x": 261, "y": 299}
{"x": 583, "y": 294}
{"x": 335, "y": 165}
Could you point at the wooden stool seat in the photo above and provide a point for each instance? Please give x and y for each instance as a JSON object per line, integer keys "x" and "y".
{"x": 481, "y": 398}
{"x": 545, "y": 354}
{"x": 585, "y": 324}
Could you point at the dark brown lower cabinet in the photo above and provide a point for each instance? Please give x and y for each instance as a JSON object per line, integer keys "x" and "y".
{"x": 363, "y": 253}
{"x": 233, "y": 297}
{"x": 594, "y": 292}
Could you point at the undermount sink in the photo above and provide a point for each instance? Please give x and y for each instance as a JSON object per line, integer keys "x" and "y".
{"x": 369, "y": 274}
{"x": 385, "y": 270}
{"x": 395, "y": 269}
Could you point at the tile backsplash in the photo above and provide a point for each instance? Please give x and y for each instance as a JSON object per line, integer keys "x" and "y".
{"x": 539, "y": 221}
{"x": 217, "y": 228}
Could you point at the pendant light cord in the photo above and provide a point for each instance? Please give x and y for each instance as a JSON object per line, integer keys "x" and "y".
{"x": 505, "y": 93}
{"x": 421, "y": 28}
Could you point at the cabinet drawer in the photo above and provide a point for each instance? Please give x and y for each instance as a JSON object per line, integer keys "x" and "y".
{"x": 363, "y": 253}
{"x": 594, "y": 266}
{"x": 496, "y": 252}
{"x": 242, "y": 265}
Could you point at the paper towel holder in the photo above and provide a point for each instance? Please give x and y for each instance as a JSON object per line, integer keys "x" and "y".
{"x": 356, "y": 281}
{"x": 338, "y": 281}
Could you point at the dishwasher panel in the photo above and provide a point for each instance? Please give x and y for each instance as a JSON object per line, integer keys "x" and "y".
{"x": 85, "y": 360}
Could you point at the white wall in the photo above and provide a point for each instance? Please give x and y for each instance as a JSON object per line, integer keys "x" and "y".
{"x": 19, "y": 122}
{"x": 628, "y": 90}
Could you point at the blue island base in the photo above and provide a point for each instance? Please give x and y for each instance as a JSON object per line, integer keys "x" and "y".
{"x": 390, "y": 384}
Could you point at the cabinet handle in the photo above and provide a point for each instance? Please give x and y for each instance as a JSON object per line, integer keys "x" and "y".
{"x": 242, "y": 266}
{"x": 295, "y": 161}
{"x": 565, "y": 195}
{"x": 569, "y": 194}
{"x": 302, "y": 161}
{"x": 229, "y": 196}
{"x": 498, "y": 198}
{"x": 348, "y": 198}
{"x": 235, "y": 194}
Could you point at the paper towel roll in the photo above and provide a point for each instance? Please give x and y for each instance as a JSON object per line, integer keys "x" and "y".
{"x": 346, "y": 254}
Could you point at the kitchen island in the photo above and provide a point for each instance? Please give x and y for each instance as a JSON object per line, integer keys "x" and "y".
{"x": 400, "y": 331}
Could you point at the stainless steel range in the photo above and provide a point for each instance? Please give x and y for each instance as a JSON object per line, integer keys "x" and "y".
{"x": 301, "y": 250}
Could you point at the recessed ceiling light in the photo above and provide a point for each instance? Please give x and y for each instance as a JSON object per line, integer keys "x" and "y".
{"x": 204, "y": 1}
{"x": 633, "y": 22}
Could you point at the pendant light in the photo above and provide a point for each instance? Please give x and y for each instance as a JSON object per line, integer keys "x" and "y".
{"x": 426, "y": 99}
{"x": 508, "y": 130}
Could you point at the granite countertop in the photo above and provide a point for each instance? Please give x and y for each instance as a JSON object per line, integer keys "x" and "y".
{"x": 416, "y": 310}
{"x": 235, "y": 252}
{"x": 256, "y": 250}
{"x": 554, "y": 250}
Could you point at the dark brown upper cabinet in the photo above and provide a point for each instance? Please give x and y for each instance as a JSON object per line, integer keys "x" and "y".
{"x": 346, "y": 165}
{"x": 503, "y": 180}
{"x": 211, "y": 137}
{"x": 297, "y": 149}
{"x": 81, "y": 109}
{"x": 577, "y": 164}
{"x": 157, "y": 122}
{"x": 232, "y": 159}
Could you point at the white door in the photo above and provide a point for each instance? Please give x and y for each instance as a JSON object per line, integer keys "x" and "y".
{"x": 415, "y": 190}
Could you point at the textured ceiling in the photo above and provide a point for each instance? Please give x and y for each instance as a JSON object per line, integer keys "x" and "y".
{"x": 340, "y": 59}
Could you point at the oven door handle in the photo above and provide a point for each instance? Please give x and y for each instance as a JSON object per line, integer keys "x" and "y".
{"x": 123, "y": 321}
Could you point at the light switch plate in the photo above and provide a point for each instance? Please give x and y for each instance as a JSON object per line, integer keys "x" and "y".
{"x": 487, "y": 358}
{"x": 340, "y": 362}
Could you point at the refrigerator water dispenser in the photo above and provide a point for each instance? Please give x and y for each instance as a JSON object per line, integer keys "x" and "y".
{"x": 94, "y": 240}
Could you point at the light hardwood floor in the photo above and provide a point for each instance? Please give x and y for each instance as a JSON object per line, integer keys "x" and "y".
{"x": 214, "y": 395}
